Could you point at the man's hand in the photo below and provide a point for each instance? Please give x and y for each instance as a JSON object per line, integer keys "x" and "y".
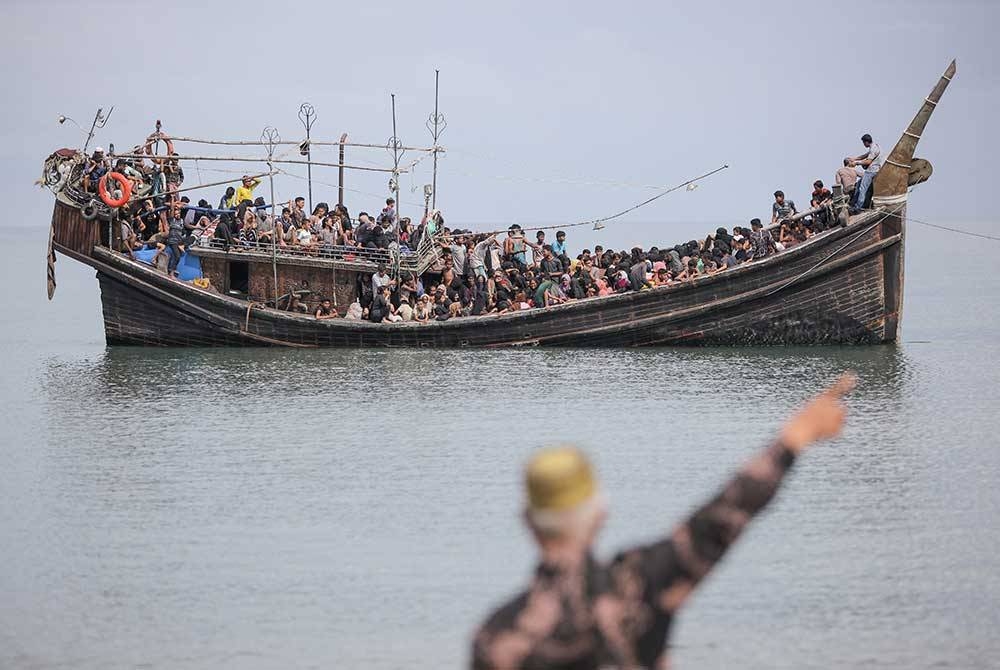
{"x": 821, "y": 418}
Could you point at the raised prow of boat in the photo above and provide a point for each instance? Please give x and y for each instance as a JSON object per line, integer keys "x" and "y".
{"x": 844, "y": 285}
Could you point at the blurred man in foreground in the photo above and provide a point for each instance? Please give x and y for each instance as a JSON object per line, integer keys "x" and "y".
{"x": 578, "y": 613}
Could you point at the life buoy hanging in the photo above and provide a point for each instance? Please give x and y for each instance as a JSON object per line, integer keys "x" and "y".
{"x": 123, "y": 183}
{"x": 153, "y": 139}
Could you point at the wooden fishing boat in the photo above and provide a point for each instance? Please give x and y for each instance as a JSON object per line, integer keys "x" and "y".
{"x": 842, "y": 286}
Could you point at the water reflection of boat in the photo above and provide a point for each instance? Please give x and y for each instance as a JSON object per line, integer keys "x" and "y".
{"x": 844, "y": 285}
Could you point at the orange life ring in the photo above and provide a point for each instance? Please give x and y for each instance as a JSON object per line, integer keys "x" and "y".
{"x": 152, "y": 139}
{"x": 123, "y": 182}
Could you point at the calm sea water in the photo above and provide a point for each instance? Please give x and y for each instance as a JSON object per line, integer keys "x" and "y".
{"x": 287, "y": 509}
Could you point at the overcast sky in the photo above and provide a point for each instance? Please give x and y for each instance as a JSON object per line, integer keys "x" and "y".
{"x": 557, "y": 111}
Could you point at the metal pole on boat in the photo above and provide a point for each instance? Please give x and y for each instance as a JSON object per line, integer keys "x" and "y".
{"x": 340, "y": 172}
{"x": 394, "y": 146}
{"x": 99, "y": 122}
{"x": 307, "y": 115}
{"x": 271, "y": 138}
{"x": 436, "y": 125}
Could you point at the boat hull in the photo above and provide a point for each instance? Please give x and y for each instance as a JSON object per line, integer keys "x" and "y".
{"x": 843, "y": 287}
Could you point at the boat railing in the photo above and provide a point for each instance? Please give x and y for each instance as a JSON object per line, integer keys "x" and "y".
{"x": 416, "y": 261}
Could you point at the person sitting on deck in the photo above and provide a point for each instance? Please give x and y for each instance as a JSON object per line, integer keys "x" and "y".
{"x": 264, "y": 222}
{"x": 559, "y": 248}
{"x": 820, "y": 195}
{"x": 781, "y": 208}
{"x": 303, "y": 238}
{"x": 389, "y": 214}
{"x": 381, "y": 278}
{"x": 424, "y": 309}
{"x": 245, "y": 190}
{"x": 871, "y": 161}
{"x": 551, "y": 266}
{"x": 761, "y": 239}
{"x": 97, "y": 166}
{"x": 662, "y": 277}
{"x": 580, "y": 613}
{"x": 325, "y": 310}
{"x": 380, "y": 309}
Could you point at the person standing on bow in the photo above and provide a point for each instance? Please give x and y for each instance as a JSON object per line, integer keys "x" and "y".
{"x": 579, "y": 613}
{"x": 871, "y": 161}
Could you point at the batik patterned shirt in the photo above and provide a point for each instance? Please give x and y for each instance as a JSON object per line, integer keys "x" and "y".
{"x": 619, "y": 615}
{"x": 762, "y": 242}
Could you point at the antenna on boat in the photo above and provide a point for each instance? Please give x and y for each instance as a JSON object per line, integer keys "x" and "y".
{"x": 396, "y": 147}
{"x": 270, "y": 138}
{"x": 435, "y": 125}
{"x": 100, "y": 120}
{"x": 307, "y": 115}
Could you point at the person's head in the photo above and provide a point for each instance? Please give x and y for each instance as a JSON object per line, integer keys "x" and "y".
{"x": 389, "y": 202}
{"x": 847, "y": 162}
{"x": 321, "y": 209}
{"x": 598, "y": 250}
{"x": 560, "y": 236}
{"x": 230, "y": 192}
{"x": 547, "y": 251}
{"x": 326, "y": 303}
{"x": 779, "y": 197}
{"x": 818, "y": 184}
{"x": 866, "y": 140}
{"x": 381, "y": 268}
{"x": 540, "y": 236}
{"x": 286, "y": 213}
{"x": 300, "y": 202}
{"x": 755, "y": 224}
{"x": 425, "y": 299}
{"x": 98, "y": 153}
{"x": 247, "y": 180}
{"x": 563, "y": 505}
{"x": 382, "y": 290}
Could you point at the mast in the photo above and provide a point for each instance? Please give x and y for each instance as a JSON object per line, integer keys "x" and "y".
{"x": 395, "y": 144}
{"x": 436, "y": 125}
{"x": 340, "y": 172}
{"x": 307, "y": 115}
{"x": 271, "y": 138}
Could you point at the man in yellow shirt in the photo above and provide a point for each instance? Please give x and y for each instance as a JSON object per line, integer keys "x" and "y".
{"x": 245, "y": 192}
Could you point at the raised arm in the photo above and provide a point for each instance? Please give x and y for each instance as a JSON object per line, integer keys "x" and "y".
{"x": 677, "y": 564}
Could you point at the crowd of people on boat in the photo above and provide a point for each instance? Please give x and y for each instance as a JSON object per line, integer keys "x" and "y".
{"x": 475, "y": 273}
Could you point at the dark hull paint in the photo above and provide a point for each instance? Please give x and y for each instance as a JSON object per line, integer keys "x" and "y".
{"x": 833, "y": 289}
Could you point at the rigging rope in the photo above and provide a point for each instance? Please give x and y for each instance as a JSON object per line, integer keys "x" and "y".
{"x": 953, "y": 230}
{"x": 622, "y": 213}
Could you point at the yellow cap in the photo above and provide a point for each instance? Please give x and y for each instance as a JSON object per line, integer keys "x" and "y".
{"x": 558, "y": 479}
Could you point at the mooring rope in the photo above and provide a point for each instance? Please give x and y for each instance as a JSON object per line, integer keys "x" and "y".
{"x": 953, "y": 230}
